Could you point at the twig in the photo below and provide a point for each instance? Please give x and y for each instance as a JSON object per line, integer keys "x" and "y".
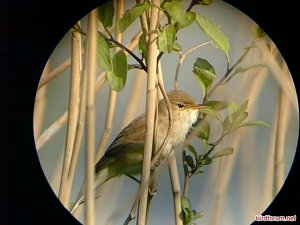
{"x": 51, "y": 131}
{"x": 144, "y": 22}
{"x": 182, "y": 57}
{"x": 150, "y": 114}
{"x": 191, "y": 5}
{"x": 140, "y": 61}
{"x": 46, "y": 77}
{"x": 156, "y": 159}
{"x": 187, "y": 176}
{"x": 175, "y": 183}
{"x": 65, "y": 186}
{"x": 90, "y": 150}
{"x": 222, "y": 80}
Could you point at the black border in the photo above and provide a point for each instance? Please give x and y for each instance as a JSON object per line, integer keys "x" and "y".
{"x": 29, "y": 31}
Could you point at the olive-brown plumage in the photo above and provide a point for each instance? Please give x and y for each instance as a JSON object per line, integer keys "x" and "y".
{"x": 125, "y": 154}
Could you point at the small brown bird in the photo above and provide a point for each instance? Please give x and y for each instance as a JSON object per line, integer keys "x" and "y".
{"x": 125, "y": 154}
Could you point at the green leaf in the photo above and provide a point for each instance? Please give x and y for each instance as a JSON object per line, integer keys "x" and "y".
{"x": 190, "y": 18}
{"x": 223, "y": 152}
{"x": 232, "y": 106}
{"x": 255, "y": 123}
{"x": 189, "y": 160}
{"x": 177, "y": 12}
{"x": 205, "y": 73}
{"x": 167, "y": 39}
{"x": 234, "y": 119}
{"x": 103, "y": 55}
{"x": 192, "y": 150}
{"x": 143, "y": 46}
{"x": 186, "y": 213}
{"x": 131, "y": 14}
{"x": 185, "y": 203}
{"x": 206, "y": 161}
{"x": 219, "y": 39}
{"x": 176, "y": 47}
{"x": 202, "y": 129}
{"x": 217, "y": 105}
{"x": 118, "y": 75}
{"x": 106, "y": 13}
{"x": 211, "y": 112}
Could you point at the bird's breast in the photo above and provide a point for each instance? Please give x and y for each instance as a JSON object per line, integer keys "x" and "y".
{"x": 182, "y": 123}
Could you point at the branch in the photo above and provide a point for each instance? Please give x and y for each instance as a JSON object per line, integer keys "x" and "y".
{"x": 129, "y": 52}
{"x": 229, "y": 70}
{"x": 182, "y": 57}
{"x": 150, "y": 114}
{"x": 175, "y": 186}
{"x": 157, "y": 157}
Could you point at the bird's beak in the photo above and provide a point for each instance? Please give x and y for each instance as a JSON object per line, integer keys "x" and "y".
{"x": 199, "y": 106}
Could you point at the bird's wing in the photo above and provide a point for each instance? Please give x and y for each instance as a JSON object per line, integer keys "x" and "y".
{"x": 129, "y": 141}
{"x": 133, "y": 133}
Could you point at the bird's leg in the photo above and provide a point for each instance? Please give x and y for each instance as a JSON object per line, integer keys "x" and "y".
{"x": 133, "y": 178}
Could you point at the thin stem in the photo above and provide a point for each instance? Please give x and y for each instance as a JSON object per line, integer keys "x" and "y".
{"x": 80, "y": 129}
{"x": 191, "y": 5}
{"x": 150, "y": 114}
{"x": 182, "y": 57}
{"x": 144, "y": 22}
{"x": 208, "y": 152}
{"x": 90, "y": 150}
{"x": 46, "y": 77}
{"x": 51, "y": 131}
{"x": 175, "y": 183}
{"x": 156, "y": 159}
{"x": 186, "y": 187}
{"x": 65, "y": 187}
{"x": 140, "y": 61}
{"x": 229, "y": 70}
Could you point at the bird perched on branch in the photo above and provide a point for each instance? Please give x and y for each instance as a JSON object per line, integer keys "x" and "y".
{"x": 124, "y": 155}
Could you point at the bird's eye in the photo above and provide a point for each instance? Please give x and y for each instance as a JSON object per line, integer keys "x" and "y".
{"x": 180, "y": 105}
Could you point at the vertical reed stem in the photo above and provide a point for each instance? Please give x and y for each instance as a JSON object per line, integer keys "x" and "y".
{"x": 65, "y": 186}
{"x": 90, "y": 151}
{"x": 150, "y": 114}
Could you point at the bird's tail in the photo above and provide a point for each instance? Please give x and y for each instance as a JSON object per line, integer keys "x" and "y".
{"x": 79, "y": 200}
{"x": 100, "y": 178}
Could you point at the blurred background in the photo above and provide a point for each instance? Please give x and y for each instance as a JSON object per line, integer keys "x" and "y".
{"x": 233, "y": 189}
